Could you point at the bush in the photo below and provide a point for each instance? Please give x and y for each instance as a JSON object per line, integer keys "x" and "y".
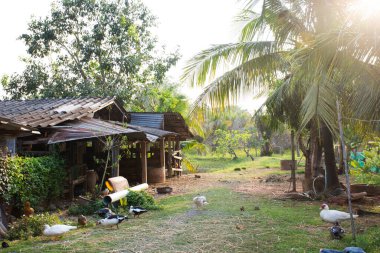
{"x": 34, "y": 179}
{"x": 142, "y": 199}
{"x": 88, "y": 209}
{"x": 27, "y": 227}
{"x": 4, "y": 181}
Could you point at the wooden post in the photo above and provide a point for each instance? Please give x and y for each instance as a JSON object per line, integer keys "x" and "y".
{"x": 176, "y": 143}
{"x": 144, "y": 167}
{"x": 115, "y": 150}
{"x": 346, "y": 170}
{"x": 293, "y": 166}
{"x": 162, "y": 155}
{"x": 170, "y": 153}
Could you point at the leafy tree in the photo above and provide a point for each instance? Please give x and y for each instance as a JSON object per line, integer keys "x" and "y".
{"x": 226, "y": 142}
{"x": 263, "y": 123}
{"x": 160, "y": 98}
{"x": 247, "y": 140}
{"x": 90, "y": 48}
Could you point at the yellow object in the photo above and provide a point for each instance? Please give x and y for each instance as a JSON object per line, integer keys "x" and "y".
{"x": 109, "y": 186}
{"x": 123, "y": 201}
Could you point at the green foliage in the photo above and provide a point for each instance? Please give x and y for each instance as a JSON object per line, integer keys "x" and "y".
{"x": 34, "y": 179}
{"x": 91, "y": 48}
{"x": 27, "y": 227}
{"x": 162, "y": 98}
{"x": 142, "y": 199}
{"x": 194, "y": 146}
{"x": 88, "y": 209}
{"x": 189, "y": 166}
{"x": 366, "y": 165}
{"x": 4, "y": 180}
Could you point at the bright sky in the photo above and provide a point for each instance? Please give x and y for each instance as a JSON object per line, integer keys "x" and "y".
{"x": 190, "y": 25}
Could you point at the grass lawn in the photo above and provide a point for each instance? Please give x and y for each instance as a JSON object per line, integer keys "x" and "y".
{"x": 278, "y": 226}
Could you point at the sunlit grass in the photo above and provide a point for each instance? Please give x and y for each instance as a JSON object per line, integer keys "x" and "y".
{"x": 217, "y": 163}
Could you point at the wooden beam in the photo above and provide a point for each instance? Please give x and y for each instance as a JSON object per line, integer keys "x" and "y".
{"x": 115, "y": 159}
{"x": 170, "y": 152}
{"x": 162, "y": 155}
{"x": 176, "y": 143}
{"x": 144, "y": 167}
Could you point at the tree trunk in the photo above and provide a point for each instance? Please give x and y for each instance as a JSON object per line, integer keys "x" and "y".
{"x": 232, "y": 152}
{"x": 332, "y": 181}
{"x": 307, "y": 183}
{"x": 266, "y": 149}
{"x": 248, "y": 154}
{"x": 316, "y": 157}
{"x": 341, "y": 163}
{"x": 293, "y": 162}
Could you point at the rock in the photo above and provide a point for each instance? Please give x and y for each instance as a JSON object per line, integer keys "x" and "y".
{"x": 239, "y": 227}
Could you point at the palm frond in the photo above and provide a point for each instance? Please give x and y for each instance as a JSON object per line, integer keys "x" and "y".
{"x": 253, "y": 74}
{"x": 203, "y": 66}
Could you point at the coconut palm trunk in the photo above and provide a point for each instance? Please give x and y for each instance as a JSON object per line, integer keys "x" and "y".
{"x": 332, "y": 181}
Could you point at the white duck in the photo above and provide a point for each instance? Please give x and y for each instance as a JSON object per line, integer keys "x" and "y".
{"x": 200, "y": 201}
{"x": 333, "y": 215}
{"x": 112, "y": 220}
{"x": 136, "y": 211}
{"x": 57, "y": 230}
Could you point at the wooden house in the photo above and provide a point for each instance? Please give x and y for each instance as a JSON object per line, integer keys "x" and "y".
{"x": 80, "y": 129}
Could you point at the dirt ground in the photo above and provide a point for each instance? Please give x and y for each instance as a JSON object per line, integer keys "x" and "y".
{"x": 260, "y": 183}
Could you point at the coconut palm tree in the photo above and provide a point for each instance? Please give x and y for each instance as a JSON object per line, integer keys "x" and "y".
{"x": 319, "y": 48}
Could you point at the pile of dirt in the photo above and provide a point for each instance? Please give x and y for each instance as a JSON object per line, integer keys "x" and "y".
{"x": 274, "y": 179}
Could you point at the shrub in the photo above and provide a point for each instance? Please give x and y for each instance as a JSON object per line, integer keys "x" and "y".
{"x": 3, "y": 175}
{"x": 142, "y": 199}
{"x": 27, "y": 227}
{"x": 88, "y": 209}
{"x": 34, "y": 179}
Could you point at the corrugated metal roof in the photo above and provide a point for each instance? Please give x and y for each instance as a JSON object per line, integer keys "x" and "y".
{"x": 50, "y": 112}
{"x": 153, "y": 131}
{"x": 168, "y": 121}
{"x": 153, "y": 120}
{"x": 87, "y": 128}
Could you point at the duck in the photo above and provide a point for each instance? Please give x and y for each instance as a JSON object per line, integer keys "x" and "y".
{"x": 136, "y": 211}
{"x": 112, "y": 220}
{"x": 336, "y": 231}
{"x": 28, "y": 211}
{"x": 346, "y": 250}
{"x": 82, "y": 220}
{"x": 200, "y": 201}
{"x": 57, "y": 230}
{"x": 333, "y": 215}
{"x": 104, "y": 212}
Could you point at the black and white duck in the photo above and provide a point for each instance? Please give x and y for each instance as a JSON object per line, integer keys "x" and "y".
{"x": 136, "y": 211}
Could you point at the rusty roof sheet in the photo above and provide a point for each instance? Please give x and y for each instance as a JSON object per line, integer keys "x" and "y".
{"x": 87, "y": 128}
{"x": 51, "y": 112}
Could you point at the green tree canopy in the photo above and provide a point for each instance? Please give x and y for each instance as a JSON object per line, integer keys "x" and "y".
{"x": 90, "y": 48}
